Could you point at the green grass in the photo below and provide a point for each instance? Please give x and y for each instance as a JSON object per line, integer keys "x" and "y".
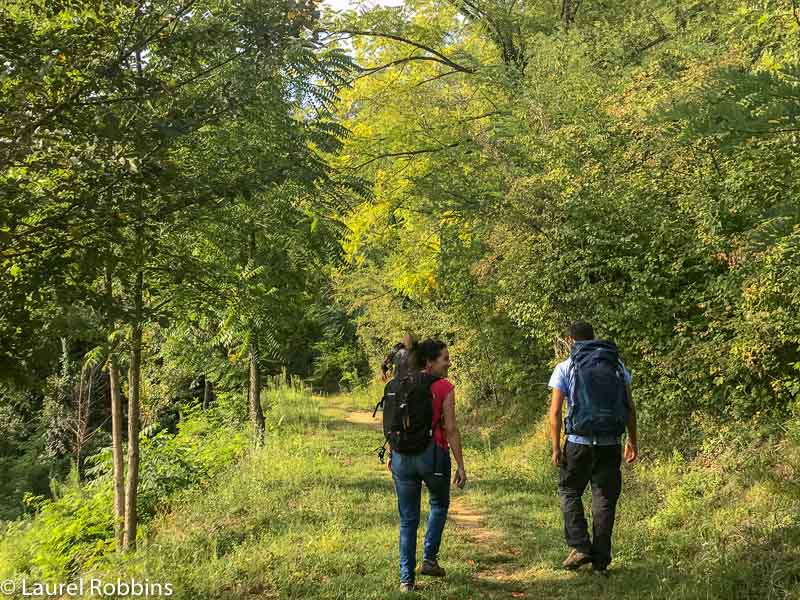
{"x": 312, "y": 515}
{"x": 683, "y": 530}
{"x": 290, "y": 405}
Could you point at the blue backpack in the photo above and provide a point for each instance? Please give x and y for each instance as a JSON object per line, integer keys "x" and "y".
{"x": 599, "y": 402}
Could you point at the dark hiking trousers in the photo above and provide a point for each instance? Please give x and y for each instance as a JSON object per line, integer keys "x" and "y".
{"x": 600, "y": 465}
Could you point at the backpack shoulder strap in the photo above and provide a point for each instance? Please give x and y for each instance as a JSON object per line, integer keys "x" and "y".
{"x": 621, "y": 370}
{"x": 381, "y": 403}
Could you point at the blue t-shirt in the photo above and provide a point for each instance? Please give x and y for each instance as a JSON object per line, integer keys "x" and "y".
{"x": 563, "y": 379}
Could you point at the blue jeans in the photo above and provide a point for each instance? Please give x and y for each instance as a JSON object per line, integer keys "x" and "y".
{"x": 408, "y": 472}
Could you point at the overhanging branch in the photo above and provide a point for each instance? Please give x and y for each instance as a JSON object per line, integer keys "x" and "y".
{"x": 367, "y": 71}
{"x": 437, "y": 55}
{"x": 406, "y": 153}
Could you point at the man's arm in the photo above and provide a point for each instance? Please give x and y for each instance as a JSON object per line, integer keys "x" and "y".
{"x": 632, "y": 447}
{"x": 454, "y": 436}
{"x": 556, "y": 404}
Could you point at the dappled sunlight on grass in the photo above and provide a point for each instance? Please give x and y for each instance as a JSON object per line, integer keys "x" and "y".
{"x": 312, "y": 514}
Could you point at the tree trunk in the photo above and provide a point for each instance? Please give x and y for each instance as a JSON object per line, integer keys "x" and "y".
{"x": 135, "y": 373}
{"x": 256, "y": 413}
{"x": 81, "y": 419}
{"x": 116, "y": 452}
{"x": 85, "y": 436}
{"x": 131, "y": 517}
{"x": 569, "y": 8}
{"x": 208, "y": 393}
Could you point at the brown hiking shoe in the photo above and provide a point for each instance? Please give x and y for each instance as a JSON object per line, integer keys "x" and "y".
{"x": 432, "y": 568}
{"x": 406, "y": 588}
{"x": 576, "y": 560}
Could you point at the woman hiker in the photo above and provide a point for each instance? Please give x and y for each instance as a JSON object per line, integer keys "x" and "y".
{"x": 422, "y": 454}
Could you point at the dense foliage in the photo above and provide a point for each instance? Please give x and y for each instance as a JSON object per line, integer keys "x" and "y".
{"x": 636, "y": 169}
{"x": 166, "y": 212}
{"x": 209, "y": 206}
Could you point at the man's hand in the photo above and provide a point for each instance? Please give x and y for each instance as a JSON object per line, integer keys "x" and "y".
{"x": 461, "y": 478}
{"x": 556, "y": 458}
{"x": 631, "y": 452}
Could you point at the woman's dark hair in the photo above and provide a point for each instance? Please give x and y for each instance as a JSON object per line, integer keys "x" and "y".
{"x": 422, "y": 352}
{"x": 581, "y": 331}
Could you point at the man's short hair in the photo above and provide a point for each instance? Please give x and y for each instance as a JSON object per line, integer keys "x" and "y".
{"x": 581, "y": 331}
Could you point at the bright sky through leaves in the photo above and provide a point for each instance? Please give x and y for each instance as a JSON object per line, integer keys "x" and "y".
{"x": 342, "y": 4}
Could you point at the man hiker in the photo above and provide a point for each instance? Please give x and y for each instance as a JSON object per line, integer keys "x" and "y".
{"x": 596, "y": 386}
{"x": 420, "y": 426}
{"x": 398, "y": 359}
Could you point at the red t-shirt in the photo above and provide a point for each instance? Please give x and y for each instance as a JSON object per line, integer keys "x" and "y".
{"x": 440, "y": 389}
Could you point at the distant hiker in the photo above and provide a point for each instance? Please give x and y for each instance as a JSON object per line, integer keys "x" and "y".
{"x": 397, "y": 359}
{"x": 419, "y": 422}
{"x": 600, "y": 408}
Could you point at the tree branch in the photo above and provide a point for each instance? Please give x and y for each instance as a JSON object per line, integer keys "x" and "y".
{"x": 171, "y": 90}
{"x": 77, "y": 93}
{"x": 367, "y": 71}
{"x": 439, "y": 76}
{"x": 406, "y": 153}
{"x": 390, "y": 36}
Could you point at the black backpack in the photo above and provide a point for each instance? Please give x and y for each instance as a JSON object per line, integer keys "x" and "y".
{"x": 599, "y": 395}
{"x": 408, "y": 413}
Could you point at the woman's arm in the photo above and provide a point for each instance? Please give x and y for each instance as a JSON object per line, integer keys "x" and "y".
{"x": 454, "y": 437}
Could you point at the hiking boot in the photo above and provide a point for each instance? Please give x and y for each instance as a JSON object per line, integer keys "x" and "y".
{"x": 406, "y": 588}
{"x": 431, "y": 568}
{"x": 576, "y": 560}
